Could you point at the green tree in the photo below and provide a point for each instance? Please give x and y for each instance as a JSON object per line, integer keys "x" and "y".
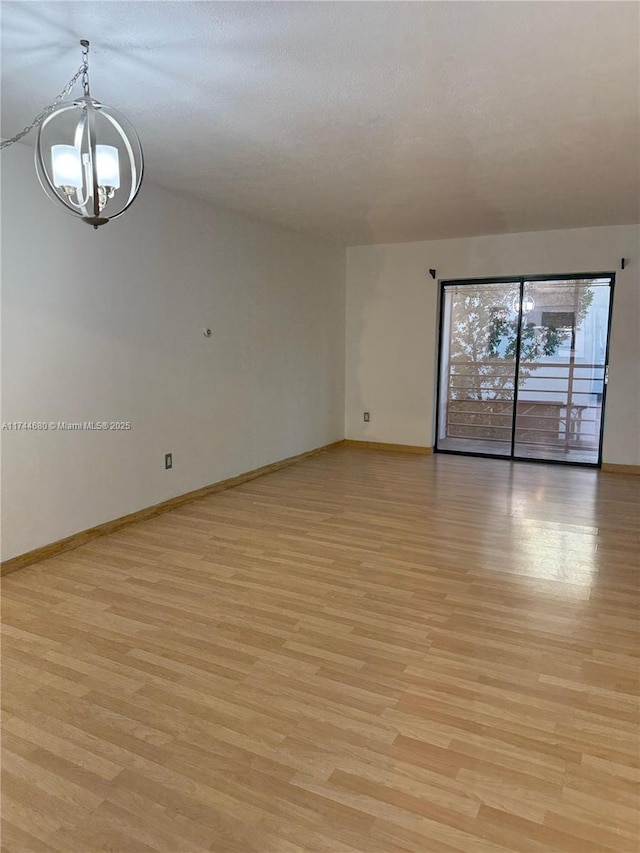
{"x": 483, "y": 344}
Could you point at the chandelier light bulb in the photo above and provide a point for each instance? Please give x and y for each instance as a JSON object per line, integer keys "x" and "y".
{"x": 108, "y": 166}
{"x": 67, "y": 166}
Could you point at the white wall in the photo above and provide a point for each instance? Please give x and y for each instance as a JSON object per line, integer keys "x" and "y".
{"x": 107, "y": 325}
{"x": 392, "y": 325}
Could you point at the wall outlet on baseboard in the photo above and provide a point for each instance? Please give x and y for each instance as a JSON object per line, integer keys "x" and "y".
{"x": 168, "y": 461}
{"x": 367, "y": 417}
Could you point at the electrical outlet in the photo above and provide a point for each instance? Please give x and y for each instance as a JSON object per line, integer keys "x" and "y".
{"x": 367, "y": 417}
{"x": 168, "y": 461}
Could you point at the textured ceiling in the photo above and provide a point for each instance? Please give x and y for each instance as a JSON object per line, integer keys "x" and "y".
{"x": 360, "y": 121}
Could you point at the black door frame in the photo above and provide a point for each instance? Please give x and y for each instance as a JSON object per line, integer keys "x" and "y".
{"x": 520, "y": 280}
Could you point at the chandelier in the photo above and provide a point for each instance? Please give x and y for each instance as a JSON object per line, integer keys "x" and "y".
{"x": 528, "y": 304}
{"x": 88, "y": 156}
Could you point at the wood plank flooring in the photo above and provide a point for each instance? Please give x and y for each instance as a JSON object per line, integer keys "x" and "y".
{"x": 364, "y": 653}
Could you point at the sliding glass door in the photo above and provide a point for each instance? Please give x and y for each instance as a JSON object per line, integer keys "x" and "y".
{"x": 523, "y": 367}
{"x": 478, "y": 367}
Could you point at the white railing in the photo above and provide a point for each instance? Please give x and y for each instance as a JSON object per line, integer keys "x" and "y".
{"x": 480, "y": 402}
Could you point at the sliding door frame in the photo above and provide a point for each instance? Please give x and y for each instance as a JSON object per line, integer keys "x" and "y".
{"x": 521, "y": 280}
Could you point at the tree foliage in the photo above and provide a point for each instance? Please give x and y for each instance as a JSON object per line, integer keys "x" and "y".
{"x": 484, "y": 339}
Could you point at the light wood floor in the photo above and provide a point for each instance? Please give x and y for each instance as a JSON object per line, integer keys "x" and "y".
{"x": 524, "y": 451}
{"x": 367, "y": 652}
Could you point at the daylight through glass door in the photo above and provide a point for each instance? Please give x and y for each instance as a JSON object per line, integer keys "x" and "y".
{"x": 523, "y": 368}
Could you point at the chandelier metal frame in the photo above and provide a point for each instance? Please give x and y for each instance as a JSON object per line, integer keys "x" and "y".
{"x": 94, "y": 181}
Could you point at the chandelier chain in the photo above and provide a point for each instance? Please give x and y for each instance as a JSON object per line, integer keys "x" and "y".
{"x": 85, "y": 68}
{"x": 83, "y": 72}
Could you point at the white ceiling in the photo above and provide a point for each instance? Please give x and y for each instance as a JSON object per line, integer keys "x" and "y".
{"x": 360, "y": 121}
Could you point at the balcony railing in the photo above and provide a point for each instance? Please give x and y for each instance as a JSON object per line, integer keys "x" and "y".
{"x": 559, "y": 404}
